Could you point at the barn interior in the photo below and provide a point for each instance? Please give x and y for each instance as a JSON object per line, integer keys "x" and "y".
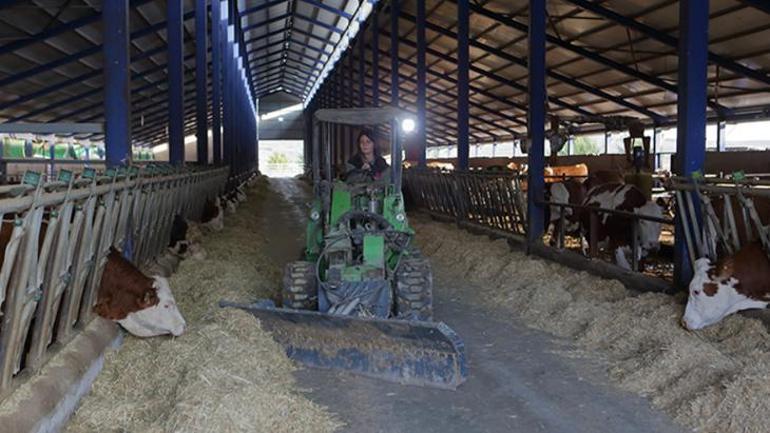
{"x": 384, "y": 216}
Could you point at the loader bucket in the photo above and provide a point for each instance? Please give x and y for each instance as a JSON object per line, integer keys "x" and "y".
{"x": 402, "y": 351}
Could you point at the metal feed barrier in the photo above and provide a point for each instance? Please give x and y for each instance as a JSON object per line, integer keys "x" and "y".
{"x": 58, "y": 235}
{"x": 497, "y": 202}
{"x": 493, "y": 200}
{"x": 708, "y": 234}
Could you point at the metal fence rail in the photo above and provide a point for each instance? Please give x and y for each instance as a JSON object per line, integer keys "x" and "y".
{"x": 494, "y": 200}
{"x": 55, "y": 240}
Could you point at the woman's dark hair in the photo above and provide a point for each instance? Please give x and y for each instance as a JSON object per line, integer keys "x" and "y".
{"x": 370, "y": 135}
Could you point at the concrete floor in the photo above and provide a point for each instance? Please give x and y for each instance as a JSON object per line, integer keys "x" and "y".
{"x": 517, "y": 382}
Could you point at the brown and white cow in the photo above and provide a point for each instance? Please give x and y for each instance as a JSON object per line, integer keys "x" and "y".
{"x": 570, "y": 191}
{"x": 736, "y": 283}
{"x": 615, "y": 231}
{"x": 143, "y": 305}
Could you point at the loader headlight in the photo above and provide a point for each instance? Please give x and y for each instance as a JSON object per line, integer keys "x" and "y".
{"x": 408, "y": 125}
{"x": 400, "y": 217}
{"x": 314, "y": 215}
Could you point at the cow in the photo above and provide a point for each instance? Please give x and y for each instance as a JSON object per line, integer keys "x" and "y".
{"x": 614, "y": 231}
{"x": 231, "y": 204}
{"x": 212, "y": 218}
{"x": 186, "y": 237}
{"x": 570, "y": 191}
{"x": 735, "y": 283}
{"x": 143, "y": 305}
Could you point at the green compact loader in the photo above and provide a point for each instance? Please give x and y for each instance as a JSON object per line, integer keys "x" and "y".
{"x": 361, "y": 297}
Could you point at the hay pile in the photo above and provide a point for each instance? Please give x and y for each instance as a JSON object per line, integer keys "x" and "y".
{"x": 225, "y": 374}
{"x": 715, "y": 381}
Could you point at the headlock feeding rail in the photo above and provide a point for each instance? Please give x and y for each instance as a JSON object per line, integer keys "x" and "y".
{"x": 55, "y": 240}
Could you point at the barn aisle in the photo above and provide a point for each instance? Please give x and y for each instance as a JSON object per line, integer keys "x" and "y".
{"x": 224, "y": 374}
{"x": 519, "y": 381}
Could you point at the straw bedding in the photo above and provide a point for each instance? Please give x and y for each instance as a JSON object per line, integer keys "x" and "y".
{"x": 225, "y": 374}
{"x": 714, "y": 381}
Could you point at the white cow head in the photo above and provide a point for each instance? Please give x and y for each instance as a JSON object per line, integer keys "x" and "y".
{"x": 560, "y": 194}
{"x": 160, "y": 319}
{"x": 713, "y": 297}
{"x": 649, "y": 231}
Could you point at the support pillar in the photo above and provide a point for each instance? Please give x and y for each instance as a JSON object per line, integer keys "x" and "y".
{"x": 375, "y": 58}
{"x": 216, "y": 81}
{"x": 175, "y": 40}
{"x": 395, "y": 11}
{"x": 201, "y": 86}
{"x": 691, "y": 110}
{"x": 536, "y": 122}
{"x": 463, "y": 65}
{"x": 721, "y": 136}
{"x": 117, "y": 82}
{"x": 421, "y": 137}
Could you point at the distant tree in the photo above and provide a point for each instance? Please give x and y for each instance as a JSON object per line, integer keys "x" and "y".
{"x": 278, "y": 158}
{"x": 583, "y": 146}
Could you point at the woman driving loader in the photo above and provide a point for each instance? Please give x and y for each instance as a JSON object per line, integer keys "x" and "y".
{"x": 367, "y": 164}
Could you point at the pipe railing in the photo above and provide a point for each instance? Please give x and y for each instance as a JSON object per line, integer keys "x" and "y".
{"x": 55, "y": 240}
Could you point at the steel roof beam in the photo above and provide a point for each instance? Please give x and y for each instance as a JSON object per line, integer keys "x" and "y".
{"x": 560, "y": 77}
{"x": 82, "y": 54}
{"x": 328, "y": 8}
{"x": 322, "y": 24}
{"x": 671, "y": 41}
{"x": 502, "y": 80}
{"x": 262, "y": 37}
{"x": 762, "y": 5}
{"x": 57, "y": 30}
{"x": 591, "y": 55}
{"x": 324, "y": 41}
{"x": 266, "y": 22}
{"x": 258, "y": 8}
{"x": 265, "y": 47}
{"x": 441, "y": 91}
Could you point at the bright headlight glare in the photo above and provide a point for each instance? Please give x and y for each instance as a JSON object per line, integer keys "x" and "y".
{"x": 408, "y": 125}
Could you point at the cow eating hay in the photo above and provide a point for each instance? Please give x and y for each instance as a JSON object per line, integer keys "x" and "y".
{"x": 225, "y": 374}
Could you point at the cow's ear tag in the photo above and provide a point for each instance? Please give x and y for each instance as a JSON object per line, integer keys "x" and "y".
{"x": 739, "y": 175}
{"x": 31, "y": 178}
{"x": 697, "y": 175}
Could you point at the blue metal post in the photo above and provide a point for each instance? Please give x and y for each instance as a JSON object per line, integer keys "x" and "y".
{"x": 175, "y": 40}
{"x": 395, "y": 11}
{"x": 361, "y": 72}
{"x": 421, "y": 139}
{"x": 201, "y": 87}
{"x": 117, "y": 81}
{"x": 463, "y": 64}
{"x": 536, "y": 121}
{"x": 375, "y": 58}
{"x": 691, "y": 110}
{"x": 227, "y": 78}
{"x": 216, "y": 81}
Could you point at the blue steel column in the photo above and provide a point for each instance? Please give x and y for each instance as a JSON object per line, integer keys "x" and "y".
{"x": 216, "y": 81}
{"x": 463, "y": 65}
{"x": 536, "y": 121}
{"x": 691, "y": 109}
{"x": 201, "y": 87}
{"x": 375, "y": 47}
{"x": 227, "y": 87}
{"x": 421, "y": 138}
{"x": 395, "y": 11}
{"x": 175, "y": 40}
{"x": 117, "y": 82}
{"x": 362, "y": 72}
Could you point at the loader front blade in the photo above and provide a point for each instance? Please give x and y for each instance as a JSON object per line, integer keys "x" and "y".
{"x": 403, "y": 351}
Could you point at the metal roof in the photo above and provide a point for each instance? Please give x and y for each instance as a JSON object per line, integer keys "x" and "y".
{"x": 606, "y": 58}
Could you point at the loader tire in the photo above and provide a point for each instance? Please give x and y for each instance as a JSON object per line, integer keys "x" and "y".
{"x": 414, "y": 290}
{"x": 300, "y": 290}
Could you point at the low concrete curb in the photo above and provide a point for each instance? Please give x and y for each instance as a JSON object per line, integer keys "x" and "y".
{"x": 46, "y": 401}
